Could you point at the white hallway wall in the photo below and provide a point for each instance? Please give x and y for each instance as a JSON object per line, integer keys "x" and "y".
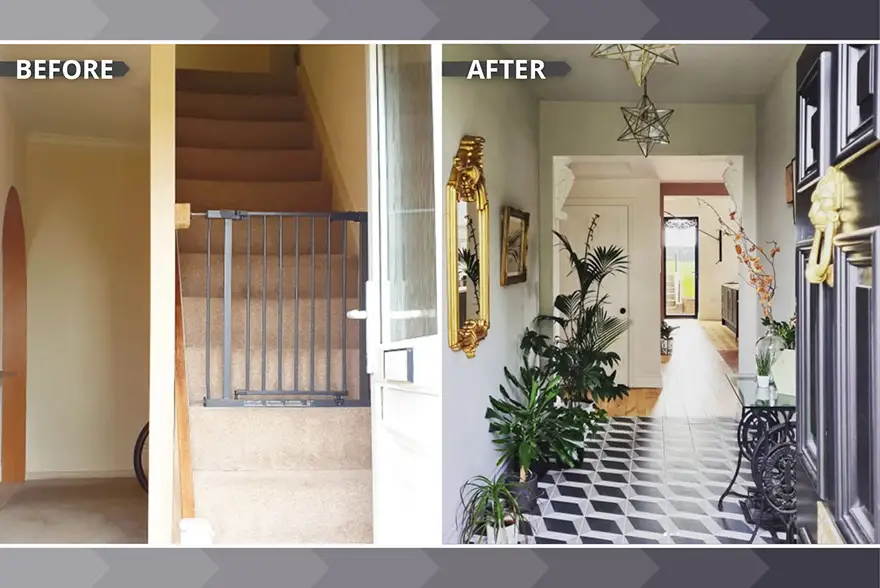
{"x": 775, "y": 149}
{"x": 507, "y": 116}
{"x": 592, "y": 128}
{"x": 711, "y": 273}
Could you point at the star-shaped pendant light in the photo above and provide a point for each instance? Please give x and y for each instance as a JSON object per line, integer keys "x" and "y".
{"x": 645, "y": 125}
{"x": 638, "y": 59}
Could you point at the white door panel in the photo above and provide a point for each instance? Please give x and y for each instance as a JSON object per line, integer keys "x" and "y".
{"x": 402, "y": 320}
{"x": 612, "y": 228}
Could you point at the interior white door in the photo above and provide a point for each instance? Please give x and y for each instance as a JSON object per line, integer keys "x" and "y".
{"x": 612, "y": 228}
{"x": 402, "y": 319}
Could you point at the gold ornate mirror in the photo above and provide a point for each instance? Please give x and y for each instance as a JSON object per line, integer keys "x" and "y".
{"x": 467, "y": 241}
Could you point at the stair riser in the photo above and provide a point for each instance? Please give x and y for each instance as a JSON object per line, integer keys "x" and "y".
{"x": 195, "y": 238}
{"x": 195, "y": 325}
{"x": 316, "y": 508}
{"x": 204, "y": 195}
{"x": 195, "y": 371}
{"x": 224, "y": 82}
{"x": 240, "y": 107}
{"x": 239, "y": 134}
{"x": 281, "y": 440}
{"x": 249, "y": 165}
{"x": 297, "y": 277}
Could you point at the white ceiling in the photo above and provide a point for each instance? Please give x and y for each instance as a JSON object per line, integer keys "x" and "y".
{"x": 706, "y": 74}
{"x": 666, "y": 168}
{"x": 116, "y": 109}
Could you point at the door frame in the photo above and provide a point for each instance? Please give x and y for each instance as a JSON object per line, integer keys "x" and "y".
{"x": 391, "y": 427}
{"x": 584, "y": 201}
{"x": 13, "y": 443}
{"x": 696, "y": 314}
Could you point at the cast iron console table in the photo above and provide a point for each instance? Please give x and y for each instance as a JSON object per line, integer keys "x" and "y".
{"x": 766, "y": 439}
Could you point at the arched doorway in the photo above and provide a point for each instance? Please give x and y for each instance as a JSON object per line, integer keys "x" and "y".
{"x": 14, "y": 396}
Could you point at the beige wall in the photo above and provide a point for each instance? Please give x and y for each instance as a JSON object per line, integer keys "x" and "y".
{"x": 88, "y": 306}
{"x": 334, "y": 79}
{"x": 12, "y": 173}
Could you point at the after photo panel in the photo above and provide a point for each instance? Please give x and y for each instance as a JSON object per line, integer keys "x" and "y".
{"x": 623, "y": 363}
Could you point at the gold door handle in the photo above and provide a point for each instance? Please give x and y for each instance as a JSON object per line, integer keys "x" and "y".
{"x": 825, "y": 206}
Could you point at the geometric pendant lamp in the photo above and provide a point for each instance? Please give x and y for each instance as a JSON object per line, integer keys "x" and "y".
{"x": 638, "y": 59}
{"x": 645, "y": 124}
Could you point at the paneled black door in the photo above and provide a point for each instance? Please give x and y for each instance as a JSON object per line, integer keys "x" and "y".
{"x": 837, "y": 211}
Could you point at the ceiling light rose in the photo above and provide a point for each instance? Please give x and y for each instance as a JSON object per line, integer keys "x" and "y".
{"x": 645, "y": 125}
{"x": 638, "y": 59}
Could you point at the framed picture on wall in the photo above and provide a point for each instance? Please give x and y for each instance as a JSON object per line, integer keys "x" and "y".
{"x": 789, "y": 183}
{"x": 514, "y": 245}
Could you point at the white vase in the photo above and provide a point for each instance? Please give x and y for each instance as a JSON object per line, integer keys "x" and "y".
{"x": 764, "y": 381}
{"x": 785, "y": 372}
{"x": 509, "y": 535}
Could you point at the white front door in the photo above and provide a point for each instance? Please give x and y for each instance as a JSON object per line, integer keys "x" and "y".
{"x": 612, "y": 228}
{"x": 403, "y": 341}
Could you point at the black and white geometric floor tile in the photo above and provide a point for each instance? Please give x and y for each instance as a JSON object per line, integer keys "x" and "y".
{"x": 647, "y": 481}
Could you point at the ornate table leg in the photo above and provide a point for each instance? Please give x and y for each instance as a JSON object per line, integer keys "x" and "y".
{"x": 739, "y": 460}
{"x": 773, "y": 469}
{"x": 753, "y": 425}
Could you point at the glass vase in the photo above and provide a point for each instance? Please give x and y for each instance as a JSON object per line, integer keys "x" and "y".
{"x": 772, "y": 345}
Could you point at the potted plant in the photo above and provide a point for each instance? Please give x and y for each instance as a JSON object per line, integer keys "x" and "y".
{"x": 531, "y": 428}
{"x": 580, "y": 355}
{"x": 666, "y": 331}
{"x": 489, "y": 509}
{"x": 764, "y": 360}
{"x": 784, "y": 368}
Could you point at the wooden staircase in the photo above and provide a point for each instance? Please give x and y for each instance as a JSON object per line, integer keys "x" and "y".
{"x": 267, "y": 475}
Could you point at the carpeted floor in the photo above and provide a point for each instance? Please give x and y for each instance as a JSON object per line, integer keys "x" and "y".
{"x": 101, "y": 511}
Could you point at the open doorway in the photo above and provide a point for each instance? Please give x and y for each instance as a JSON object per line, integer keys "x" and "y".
{"x": 681, "y": 256}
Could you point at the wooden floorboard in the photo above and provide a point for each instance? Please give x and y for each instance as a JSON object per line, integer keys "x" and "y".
{"x": 695, "y": 382}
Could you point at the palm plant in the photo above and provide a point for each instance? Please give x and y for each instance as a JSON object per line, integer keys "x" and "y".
{"x": 581, "y": 354}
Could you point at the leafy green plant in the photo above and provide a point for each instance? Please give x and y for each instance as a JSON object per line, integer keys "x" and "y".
{"x": 581, "y": 354}
{"x": 785, "y": 330}
{"x": 487, "y": 504}
{"x": 528, "y": 424}
{"x": 764, "y": 361}
{"x": 666, "y": 330}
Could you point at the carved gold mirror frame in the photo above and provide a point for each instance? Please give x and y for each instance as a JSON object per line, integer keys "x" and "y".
{"x": 467, "y": 184}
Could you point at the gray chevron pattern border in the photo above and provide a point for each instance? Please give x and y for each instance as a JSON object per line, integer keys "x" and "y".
{"x": 439, "y": 568}
{"x": 454, "y": 20}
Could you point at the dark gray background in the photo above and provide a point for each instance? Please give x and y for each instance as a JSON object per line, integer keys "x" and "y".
{"x": 465, "y": 567}
{"x": 476, "y": 20}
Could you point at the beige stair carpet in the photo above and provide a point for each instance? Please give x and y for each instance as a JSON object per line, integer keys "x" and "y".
{"x": 269, "y": 475}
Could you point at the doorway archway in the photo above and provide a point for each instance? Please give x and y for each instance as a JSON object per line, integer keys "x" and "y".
{"x": 13, "y": 436}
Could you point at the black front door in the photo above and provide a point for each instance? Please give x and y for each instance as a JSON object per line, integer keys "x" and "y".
{"x": 837, "y": 211}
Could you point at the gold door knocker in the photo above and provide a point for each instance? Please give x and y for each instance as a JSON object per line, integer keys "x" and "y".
{"x": 826, "y": 203}
{"x": 467, "y": 186}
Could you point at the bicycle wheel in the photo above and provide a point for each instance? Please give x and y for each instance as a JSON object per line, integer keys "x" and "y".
{"x": 142, "y": 457}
